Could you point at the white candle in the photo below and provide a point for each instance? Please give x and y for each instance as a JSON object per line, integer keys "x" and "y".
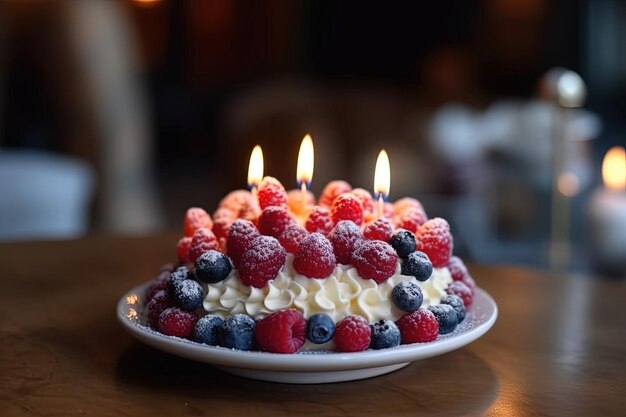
{"x": 608, "y": 215}
{"x": 382, "y": 181}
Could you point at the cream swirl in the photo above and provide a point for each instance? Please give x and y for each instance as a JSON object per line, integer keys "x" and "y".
{"x": 342, "y": 293}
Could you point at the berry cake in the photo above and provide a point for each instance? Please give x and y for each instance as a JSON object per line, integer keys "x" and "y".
{"x": 271, "y": 273}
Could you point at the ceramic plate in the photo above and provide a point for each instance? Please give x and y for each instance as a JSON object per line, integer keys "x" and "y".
{"x": 308, "y": 367}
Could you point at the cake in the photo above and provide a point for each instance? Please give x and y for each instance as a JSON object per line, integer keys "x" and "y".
{"x": 272, "y": 270}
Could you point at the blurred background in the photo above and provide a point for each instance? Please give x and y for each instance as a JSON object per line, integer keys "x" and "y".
{"x": 115, "y": 116}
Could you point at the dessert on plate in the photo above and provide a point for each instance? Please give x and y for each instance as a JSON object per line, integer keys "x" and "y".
{"x": 274, "y": 271}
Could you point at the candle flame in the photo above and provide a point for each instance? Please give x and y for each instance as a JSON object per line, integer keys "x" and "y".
{"x": 382, "y": 175}
{"x": 304, "y": 172}
{"x": 255, "y": 169}
{"x": 614, "y": 169}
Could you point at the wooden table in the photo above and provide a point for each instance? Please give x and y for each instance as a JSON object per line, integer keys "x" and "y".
{"x": 557, "y": 349}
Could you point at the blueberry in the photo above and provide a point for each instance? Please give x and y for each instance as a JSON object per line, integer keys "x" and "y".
{"x": 177, "y": 276}
{"x": 446, "y": 316}
{"x": 457, "y": 304}
{"x": 418, "y": 265}
{"x": 206, "y": 330}
{"x": 403, "y": 242}
{"x": 407, "y": 296}
{"x": 188, "y": 295}
{"x": 212, "y": 266}
{"x": 385, "y": 334}
{"x": 237, "y": 332}
{"x": 320, "y": 328}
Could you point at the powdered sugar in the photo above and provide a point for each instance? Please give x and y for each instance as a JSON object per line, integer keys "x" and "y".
{"x": 345, "y": 238}
{"x": 315, "y": 257}
{"x": 375, "y": 260}
{"x": 347, "y": 207}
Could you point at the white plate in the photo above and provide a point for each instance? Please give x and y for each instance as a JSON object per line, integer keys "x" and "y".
{"x": 308, "y": 367}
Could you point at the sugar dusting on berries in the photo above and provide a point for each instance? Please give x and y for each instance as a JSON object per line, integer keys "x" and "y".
{"x": 291, "y": 237}
{"x": 435, "y": 240}
{"x": 274, "y": 220}
{"x": 315, "y": 257}
{"x": 319, "y": 221}
{"x": 347, "y": 207}
{"x": 345, "y": 238}
{"x": 271, "y": 193}
{"x": 375, "y": 260}
{"x": 262, "y": 261}
{"x": 332, "y": 190}
{"x": 240, "y": 236}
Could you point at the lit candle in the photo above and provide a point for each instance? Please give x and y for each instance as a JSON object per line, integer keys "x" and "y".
{"x": 608, "y": 214}
{"x": 304, "y": 171}
{"x": 255, "y": 169}
{"x": 382, "y": 180}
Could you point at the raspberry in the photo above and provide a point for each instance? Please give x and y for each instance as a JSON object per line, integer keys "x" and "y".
{"x": 271, "y": 193}
{"x": 345, "y": 238}
{"x": 221, "y": 228}
{"x": 459, "y": 272}
{"x": 470, "y": 283}
{"x": 292, "y": 236}
{"x": 159, "y": 283}
{"x": 224, "y": 213}
{"x": 406, "y": 203}
{"x": 410, "y": 220}
{"x": 241, "y": 234}
{"x": 281, "y": 332}
{"x": 175, "y": 322}
{"x": 375, "y": 260}
{"x": 332, "y": 190}
{"x": 366, "y": 199}
{"x": 157, "y": 304}
{"x": 236, "y": 201}
{"x": 196, "y": 218}
{"x": 353, "y": 334}
{"x": 241, "y": 204}
{"x": 262, "y": 261}
{"x": 319, "y": 221}
{"x": 203, "y": 240}
{"x": 462, "y": 290}
{"x": 315, "y": 257}
{"x": 274, "y": 220}
{"x": 435, "y": 240}
{"x": 380, "y": 229}
{"x": 347, "y": 207}
{"x": 418, "y": 326}
{"x": 182, "y": 249}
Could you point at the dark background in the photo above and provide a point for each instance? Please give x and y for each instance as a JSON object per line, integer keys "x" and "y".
{"x": 286, "y": 68}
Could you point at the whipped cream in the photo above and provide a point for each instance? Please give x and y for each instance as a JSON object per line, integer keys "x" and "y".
{"x": 342, "y": 293}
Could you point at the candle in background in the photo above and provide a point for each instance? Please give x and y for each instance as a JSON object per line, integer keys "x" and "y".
{"x": 304, "y": 171}
{"x": 382, "y": 180}
{"x": 608, "y": 215}
{"x": 255, "y": 169}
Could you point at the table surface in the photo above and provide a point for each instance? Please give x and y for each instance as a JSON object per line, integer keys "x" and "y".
{"x": 557, "y": 349}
